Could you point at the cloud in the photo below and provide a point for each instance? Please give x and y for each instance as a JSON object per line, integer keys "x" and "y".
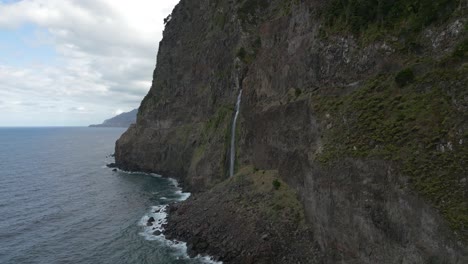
{"x": 78, "y": 109}
{"x": 106, "y": 53}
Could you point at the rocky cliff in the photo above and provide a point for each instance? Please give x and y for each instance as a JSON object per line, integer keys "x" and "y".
{"x": 359, "y": 108}
{"x": 121, "y": 120}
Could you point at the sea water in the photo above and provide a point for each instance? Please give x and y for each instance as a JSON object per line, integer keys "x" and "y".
{"x": 59, "y": 203}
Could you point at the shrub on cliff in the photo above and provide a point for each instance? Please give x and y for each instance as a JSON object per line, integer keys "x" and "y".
{"x": 297, "y": 92}
{"x": 247, "y": 10}
{"x": 461, "y": 51}
{"x": 404, "y": 77}
{"x": 276, "y": 184}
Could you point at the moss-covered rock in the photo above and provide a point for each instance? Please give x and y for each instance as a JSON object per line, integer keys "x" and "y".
{"x": 245, "y": 220}
{"x": 421, "y": 126}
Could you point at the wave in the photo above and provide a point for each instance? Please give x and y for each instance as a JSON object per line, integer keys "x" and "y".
{"x": 183, "y": 195}
{"x": 155, "y": 231}
{"x": 138, "y": 172}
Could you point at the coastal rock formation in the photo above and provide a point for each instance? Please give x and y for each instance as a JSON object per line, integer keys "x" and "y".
{"x": 122, "y": 120}
{"x": 360, "y": 110}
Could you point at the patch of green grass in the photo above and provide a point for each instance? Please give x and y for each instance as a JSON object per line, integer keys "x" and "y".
{"x": 273, "y": 204}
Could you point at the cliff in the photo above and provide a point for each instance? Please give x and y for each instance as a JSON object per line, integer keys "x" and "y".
{"x": 359, "y": 108}
{"x": 122, "y": 120}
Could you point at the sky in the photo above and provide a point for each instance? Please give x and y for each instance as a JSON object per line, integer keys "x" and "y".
{"x": 76, "y": 62}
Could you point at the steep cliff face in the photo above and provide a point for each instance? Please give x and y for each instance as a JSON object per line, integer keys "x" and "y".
{"x": 183, "y": 121}
{"x": 363, "y": 115}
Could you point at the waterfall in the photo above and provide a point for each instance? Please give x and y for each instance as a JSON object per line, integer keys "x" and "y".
{"x": 233, "y": 135}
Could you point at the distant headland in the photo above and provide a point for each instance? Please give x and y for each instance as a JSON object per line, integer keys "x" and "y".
{"x": 122, "y": 120}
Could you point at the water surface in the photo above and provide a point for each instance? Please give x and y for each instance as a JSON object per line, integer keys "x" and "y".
{"x": 60, "y": 204}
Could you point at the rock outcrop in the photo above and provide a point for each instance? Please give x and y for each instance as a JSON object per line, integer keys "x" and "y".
{"x": 363, "y": 116}
{"x": 122, "y": 120}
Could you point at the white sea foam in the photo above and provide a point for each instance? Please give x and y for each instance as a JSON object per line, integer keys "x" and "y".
{"x": 143, "y": 173}
{"x": 155, "y": 175}
{"x": 128, "y": 172}
{"x": 160, "y": 219}
{"x": 174, "y": 182}
{"x": 183, "y": 195}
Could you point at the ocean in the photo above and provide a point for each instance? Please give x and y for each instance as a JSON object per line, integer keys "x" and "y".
{"x": 59, "y": 203}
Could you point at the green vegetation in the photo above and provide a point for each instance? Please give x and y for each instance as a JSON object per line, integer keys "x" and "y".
{"x": 404, "y": 77}
{"x": 403, "y": 16}
{"x": 197, "y": 155}
{"x": 276, "y": 184}
{"x": 248, "y": 57}
{"x": 183, "y": 132}
{"x": 248, "y": 9}
{"x": 297, "y": 92}
{"x": 283, "y": 8}
{"x": 274, "y": 204}
{"x": 216, "y": 129}
{"x": 218, "y": 118}
{"x": 241, "y": 54}
{"x": 421, "y": 127}
{"x": 461, "y": 51}
{"x": 220, "y": 20}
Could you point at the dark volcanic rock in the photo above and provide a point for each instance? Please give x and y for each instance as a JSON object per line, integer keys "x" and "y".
{"x": 250, "y": 228}
{"x": 111, "y": 165}
{"x": 379, "y": 168}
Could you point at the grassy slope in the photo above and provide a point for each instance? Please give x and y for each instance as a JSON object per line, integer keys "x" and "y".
{"x": 418, "y": 120}
{"x": 274, "y": 200}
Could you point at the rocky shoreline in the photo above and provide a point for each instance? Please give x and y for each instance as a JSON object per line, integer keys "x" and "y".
{"x": 246, "y": 220}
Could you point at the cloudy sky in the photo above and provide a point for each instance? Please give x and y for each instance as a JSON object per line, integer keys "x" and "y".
{"x": 76, "y": 62}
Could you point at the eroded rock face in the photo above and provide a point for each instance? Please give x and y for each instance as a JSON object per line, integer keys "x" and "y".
{"x": 362, "y": 209}
{"x": 194, "y": 79}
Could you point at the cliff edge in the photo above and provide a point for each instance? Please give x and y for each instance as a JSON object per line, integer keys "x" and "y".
{"x": 351, "y": 135}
